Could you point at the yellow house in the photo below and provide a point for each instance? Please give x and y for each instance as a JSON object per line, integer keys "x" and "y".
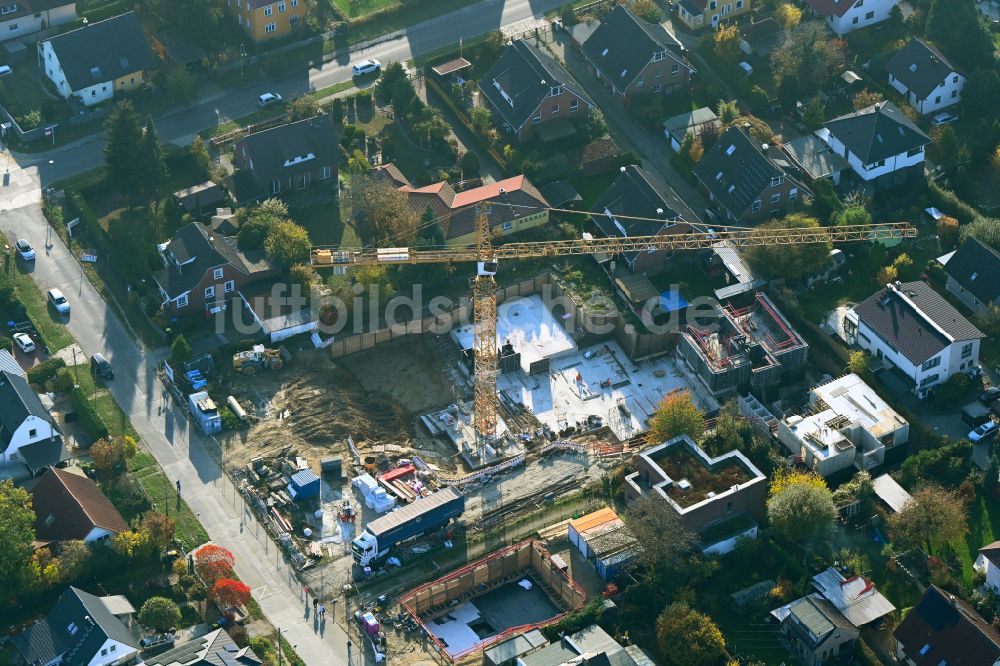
{"x": 698, "y": 14}
{"x": 264, "y": 20}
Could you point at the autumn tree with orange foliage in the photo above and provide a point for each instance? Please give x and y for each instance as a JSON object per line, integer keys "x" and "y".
{"x": 213, "y": 563}
{"x": 677, "y": 414}
{"x": 229, "y": 593}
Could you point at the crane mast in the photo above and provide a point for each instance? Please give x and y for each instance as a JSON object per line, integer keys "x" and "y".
{"x": 484, "y": 286}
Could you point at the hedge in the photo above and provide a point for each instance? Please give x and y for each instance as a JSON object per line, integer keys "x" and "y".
{"x": 89, "y": 219}
{"x": 45, "y": 370}
{"x": 949, "y": 203}
{"x": 88, "y": 415}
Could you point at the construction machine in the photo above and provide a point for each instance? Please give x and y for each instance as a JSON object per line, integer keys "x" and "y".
{"x": 487, "y": 256}
{"x": 259, "y": 358}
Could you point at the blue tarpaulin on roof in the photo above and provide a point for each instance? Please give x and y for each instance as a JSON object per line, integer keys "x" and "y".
{"x": 671, "y": 301}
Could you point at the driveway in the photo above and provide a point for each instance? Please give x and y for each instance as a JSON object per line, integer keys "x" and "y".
{"x": 631, "y": 135}
{"x": 184, "y": 455}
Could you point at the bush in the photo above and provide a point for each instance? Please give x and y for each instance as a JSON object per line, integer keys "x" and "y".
{"x": 90, "y": 418}
{"x": 949, "y": 202}
{"x": 45, "y": 370}
{"x": 64, "y": 381}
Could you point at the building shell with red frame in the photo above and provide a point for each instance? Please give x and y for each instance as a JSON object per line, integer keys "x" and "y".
{"x": 525, "y": 559}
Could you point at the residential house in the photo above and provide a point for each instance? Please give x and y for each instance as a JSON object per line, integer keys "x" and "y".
{"x": 285, "y": 159}
{"x": 913, "y": 329}
{"x": 880, "y": 143}
{"x": 100, "y": 60}
{"x": 816, "y": 631}
{"x": 847, "y": 424}
{"x": 677, "y": 127}
{"x": 943, "y": 629}
{"x": 26, "y": 17}
{"x": 743, "y": 180}
{"x": 631, "y": 196}
{"x": 81, "y": 630}
{"x": 200, "y": 199}
{"x": 815, "y": 159}
{"x": 176, "y": 48}
{"x": 216, "y": 648}
{"x": 856, "y": 597}
{"x": 974, "y": 274}
{"x": 633, "y": 57}
{"x": 843, "y": 16}
{"x": 751, "y": 347}
{"x": 203, "y": 271}
{"x": 70, "y": 507}
{"x": 264, "y": 20}
{"x": 923, "y": 75}
{"x": 988, "y": 564}
{"x": 528, "y": 89}
{"x": 706, "y": 493}
{"x": 30, "y": 440}
{"x": 515, "y": 204}
{"x": 698, "y": 14}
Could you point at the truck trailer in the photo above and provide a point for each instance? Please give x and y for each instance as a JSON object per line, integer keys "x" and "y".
{"x": 408, "y": 522}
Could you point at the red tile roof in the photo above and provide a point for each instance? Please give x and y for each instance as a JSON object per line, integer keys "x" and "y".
{"x": 76, "y": 505}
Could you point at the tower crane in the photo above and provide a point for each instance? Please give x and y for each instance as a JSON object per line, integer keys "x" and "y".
{"x": 487, "y": 256}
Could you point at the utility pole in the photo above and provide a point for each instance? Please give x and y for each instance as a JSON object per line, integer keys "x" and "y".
{"x": 243, "y": 53}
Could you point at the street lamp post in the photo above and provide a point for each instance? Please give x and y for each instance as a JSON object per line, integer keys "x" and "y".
{"x": 243, "y": 53}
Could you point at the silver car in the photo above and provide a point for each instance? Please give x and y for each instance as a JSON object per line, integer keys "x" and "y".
{"x": 58, "y": 301}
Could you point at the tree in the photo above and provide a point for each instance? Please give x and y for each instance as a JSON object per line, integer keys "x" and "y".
{"x": 132, "y": 544}
{"x": 987, "y": 319}
{"x": 759, "y": 130}
{"x": 44, "y": 569}
{"x": 788, "y": 261}
{"x": 788, "y": 15}
{"x": 851, "y": 215}
{"x": 256, "y": 221}
{"x": 665, "y": 541}
{"x": 481, "y": 119}
{"x": 727, "y": 43}
{"x": 469, "y": 164}
{"x": 727, "y": 111}
{"x": 17, "y": 520}
{"x": 385, "y": 214}
{"x": 686, "y": 637}
{"x": 646, "y": 10}
{"x": 677, "y": 414}
{"x": 808, "y": 54}
{"x": 799, "y": 505}
{"x": 303, "y": 107}
{"x": 867, "y": 98}
{"x": 213, "y": 562}
{"x": 956, "y": 28}
{"x": 932, "y": 514}
{"x": 886, "y": 275}
{"x": 202, "y": 160}
{"x": 160, "y": 613}
{"x": 124, "y": 148}
{"x": 825, "y": 200}
{"x": 112, "y": 453}
{"x": 980, "y": 93}
{"x": 180, "y": 350}
{"x": 229, "y": 593}
{"x": 304, "y": 275}
{"x": 904, "y": 266}
{"x": 73, "y": 558}
{"x": 814, "y": 114}
{"x": 154, "y": 168}
{"x": 947, "y": 229}
{"x": 287, "y": 243}
{"x": 180, "y": 85}
{"x": 859, "y": 363}
{"x": 159, "y": 528}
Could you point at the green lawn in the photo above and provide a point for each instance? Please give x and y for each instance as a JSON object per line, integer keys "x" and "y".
{"x": 189, "y": 530}
{"x": 22, "y": 92}
{"x": 405, "y": 16}
{"x": 693, "y": 281}
{"x": 324, "y": 223}
{"x": 984, "y": 528}
{"x": 355, "y": 8}
{"x": 116, "y": 420}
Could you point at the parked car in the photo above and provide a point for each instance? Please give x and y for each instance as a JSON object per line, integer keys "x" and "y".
{"x": 157, "y": 642}
{"x": 58, "y": 301}
{"x": 986, "y": 431}
{"x": 24, "y": 342}
{"x": 269, "y": 98}
{"x": 25, "y": 250}
{"x": 100, "y": 367}
{"x": 5, "y": 70}
{"x": 746, "y": 67}
{"x": 943, "y": 118}
{"x": 366, "y": 67}
{"x": 989, "y": 395}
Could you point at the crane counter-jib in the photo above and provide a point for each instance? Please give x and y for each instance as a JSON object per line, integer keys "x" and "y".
{"x": 330, "y": 257}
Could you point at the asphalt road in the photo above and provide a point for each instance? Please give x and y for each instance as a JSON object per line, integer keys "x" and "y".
{"x": 215, "y": 106}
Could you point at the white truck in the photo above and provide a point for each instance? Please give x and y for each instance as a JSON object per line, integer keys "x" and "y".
{"x": 376, "y": 497}
{"x": 408, "y": 522}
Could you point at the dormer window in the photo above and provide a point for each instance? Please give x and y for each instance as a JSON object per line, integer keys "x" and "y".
{"x": 731, "y": 149}
{"x": 217, "y": 273}
{"x": 659, "y": 55}
{"x": 72, "y": 629}
{"x": 555, "y": 90}
{"x": 777, "y": 180}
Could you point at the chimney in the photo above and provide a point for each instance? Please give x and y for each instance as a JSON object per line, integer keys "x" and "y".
{"x": 622, "y": 169}
{"x": 659, "y": 211}
{"x": 764, "y": 147}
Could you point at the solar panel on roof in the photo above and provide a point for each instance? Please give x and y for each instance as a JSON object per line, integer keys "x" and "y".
{"x": 231, "y": 647}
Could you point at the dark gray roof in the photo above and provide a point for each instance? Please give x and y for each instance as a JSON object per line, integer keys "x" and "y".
{"x": 514, "y": 647}
{"x": 271, "y": 149}
{"x": 631, "y": 194}
{"x": 943, "y": 629}
{"x": 526, "y": 76}
{"x": 691, "y": 121}
{"x": 560, "y": 193}
{"x": 18, "y": 401}
{"x": 920, "y": 67}
{"x": 976, "y": 268}
{"x": 215, "y": 648}
{"x": 814, "y": 157}
{"x": 590, "y": 639}
{"x": 103, "y": 51}
{"x": 181, "y": 49}
{"x": 877, "y": 132}
{"x": 735, "y": 171}
{"x": 75, "y": 629}
{"x": 820, "y": 617}
{"x": 909, "y": 315}
{"x": 195, "y": 241}
{"x": 44, "y": 453}
{"x": 623, "y": 44}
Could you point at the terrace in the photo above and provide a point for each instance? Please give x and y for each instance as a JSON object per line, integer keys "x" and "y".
{"x": 692, "y": 479}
